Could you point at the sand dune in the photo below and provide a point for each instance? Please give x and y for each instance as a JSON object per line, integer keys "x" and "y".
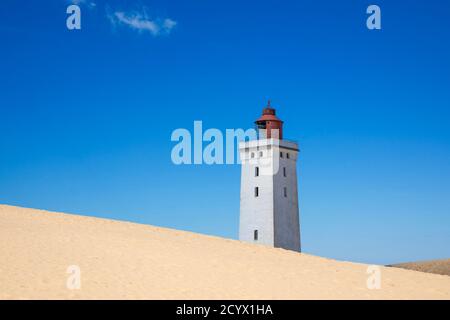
{"x": 121, "y": 260}
{"x": 431, "y": 266}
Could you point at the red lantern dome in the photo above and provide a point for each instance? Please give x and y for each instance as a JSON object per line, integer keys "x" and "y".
{"x": 268, "y": 122}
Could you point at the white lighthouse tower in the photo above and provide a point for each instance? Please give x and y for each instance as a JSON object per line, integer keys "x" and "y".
{"x": 269, "y": 212}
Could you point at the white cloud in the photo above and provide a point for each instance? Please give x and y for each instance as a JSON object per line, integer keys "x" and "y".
{"x": 169, "y": 24}
{"x": 140, "y": 22}
{"x": 90, "y": 4}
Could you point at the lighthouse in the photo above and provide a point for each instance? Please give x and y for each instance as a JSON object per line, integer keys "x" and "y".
{"x": 269, "y": 213}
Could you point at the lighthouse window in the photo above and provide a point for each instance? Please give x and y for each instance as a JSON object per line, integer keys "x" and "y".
{"x": 260, "y": 153}
{"x": 284, "y": 171}
{"x": 256, "y": 171}
{"x": 255, "y": 235}
{"x": 287, "y": 155}
{"x": 281, "y": 154}
{"x": 285, "y": 192}
{"x": 256, "y": 191}
{"x": 253, "y": 154}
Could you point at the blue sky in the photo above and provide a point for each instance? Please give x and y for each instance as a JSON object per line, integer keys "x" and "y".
{"x": 86, "y": 115}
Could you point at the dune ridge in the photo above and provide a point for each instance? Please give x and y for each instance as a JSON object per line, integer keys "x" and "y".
{"x": 431, "y": 266}
{"x": 123, "y": 260}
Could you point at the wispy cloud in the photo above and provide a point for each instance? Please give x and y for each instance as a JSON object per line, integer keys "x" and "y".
{"x": 88, "y": 3}
{"x": 76, "y": 1}
{"x": 139, "y": 21}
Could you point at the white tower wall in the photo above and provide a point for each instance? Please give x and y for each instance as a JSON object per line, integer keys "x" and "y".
{"x": 286, "y": 212}
{"x": 274, "y": 212}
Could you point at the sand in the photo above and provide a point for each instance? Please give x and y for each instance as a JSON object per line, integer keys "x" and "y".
{"x": 121, "y": 260}
{"x": 430, "y": 266}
